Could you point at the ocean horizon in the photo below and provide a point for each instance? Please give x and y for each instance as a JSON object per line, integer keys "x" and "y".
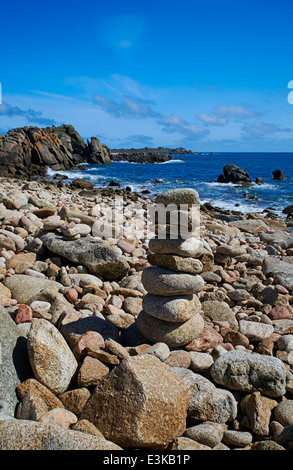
{"x": 201, "y": 172}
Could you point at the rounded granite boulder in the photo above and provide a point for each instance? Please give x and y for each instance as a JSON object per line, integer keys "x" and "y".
{"x": 178, "y": 196}
{"x": 51, "y": 359}
{"x": 250, "y": 372}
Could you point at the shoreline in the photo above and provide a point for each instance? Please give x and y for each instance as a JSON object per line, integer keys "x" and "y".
{"x": 49, "y": 279}
{"x": 237, "y": 208}
{"x": 247, "y": 196}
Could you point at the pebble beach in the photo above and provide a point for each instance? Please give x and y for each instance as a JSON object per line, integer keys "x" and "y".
{"x": 118, "y": 342}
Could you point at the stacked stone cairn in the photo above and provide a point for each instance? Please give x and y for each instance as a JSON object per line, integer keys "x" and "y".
{"x": 171, "y": 307}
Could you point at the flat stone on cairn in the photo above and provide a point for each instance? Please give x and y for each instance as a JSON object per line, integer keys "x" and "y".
{"x": 171, "y": 308}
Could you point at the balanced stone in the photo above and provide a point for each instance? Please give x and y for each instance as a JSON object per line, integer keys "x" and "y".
{"x": 176, "y": 263}
{"x": 192, "y": 246}
{"x": 174, "y": 308}
{"x": 171, "y": 309}
{"x": 170, "y": 219}
{"x": 174, "y": 334}
{"x": 162, "y": 281}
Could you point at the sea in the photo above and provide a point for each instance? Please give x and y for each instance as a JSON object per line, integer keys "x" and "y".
{"x": 200, "y": 172}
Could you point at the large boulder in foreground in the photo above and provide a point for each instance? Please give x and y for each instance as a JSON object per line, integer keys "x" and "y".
{"x": 93, "y": 253}
{"x": 19, "y": 434}
{"x": 14, "y": 364}
{"x": 141, "y": 403}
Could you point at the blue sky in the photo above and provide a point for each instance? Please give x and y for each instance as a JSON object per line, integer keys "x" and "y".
{"x": 208, "y": 76}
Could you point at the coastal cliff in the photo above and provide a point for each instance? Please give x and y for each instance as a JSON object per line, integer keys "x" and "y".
{"x": 31, "y": 151}
{"x": 147, "y": 154}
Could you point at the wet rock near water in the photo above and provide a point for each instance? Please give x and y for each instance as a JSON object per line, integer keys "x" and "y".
{"x": 234, "y": 174}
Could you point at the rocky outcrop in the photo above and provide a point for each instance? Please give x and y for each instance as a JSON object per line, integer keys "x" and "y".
{"x": 234, "y": 174}
{"x": 31, "y": 150}
{"x": 140, "y": 156}
{"x": 97, "y": 153}
{"x": 278, "y": 175}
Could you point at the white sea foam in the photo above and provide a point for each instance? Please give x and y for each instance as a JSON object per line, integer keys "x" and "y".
{"x": 244, "y": 208}
{"x": 72, "y": 175}
{"x": 169, "y": 161}
{"x": 263, "y": 186}
{"x": 51, "y": 172}
{"x": 219, "y": 185}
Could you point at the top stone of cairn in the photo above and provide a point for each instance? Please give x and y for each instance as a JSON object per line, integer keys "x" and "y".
{"x": 178, "y": 196}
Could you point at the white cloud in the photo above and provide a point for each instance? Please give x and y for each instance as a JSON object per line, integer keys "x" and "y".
{"x": 213, "y": 120}
{"x": 129, "y": 108}
{"x": 235, "y": 111}
{"x": 175, "y": 124}
{"x": 263, "y": 129}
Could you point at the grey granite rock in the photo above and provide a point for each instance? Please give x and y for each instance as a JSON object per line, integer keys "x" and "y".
{"x": 141, "y": 403}
{"x": 206, "y": 401}
{"x": 178, "y": 196}
{"x": 51, "y": 359}
{"x": 14, "y": 363}
{"x": 250, "y": 372}
{"x": 93, "y": 253}
{"x": 23, "y": 287}
{"x": 176, "y": 263}
{"x": 191, "y": 247}
{"x": 18, "y": 434}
